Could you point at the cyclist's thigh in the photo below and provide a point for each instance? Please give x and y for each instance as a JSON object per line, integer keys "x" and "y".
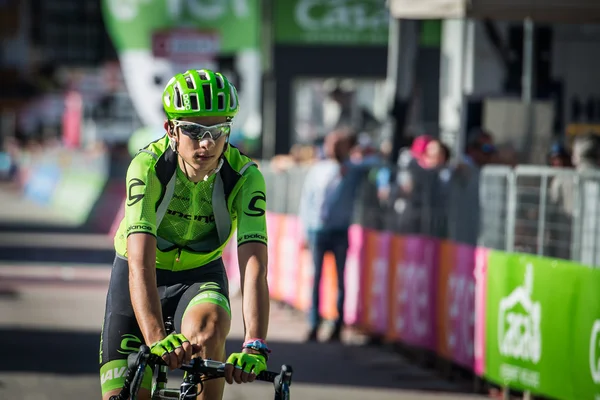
{"x": 210, "y": 285}
{"x": 121, "y": 334}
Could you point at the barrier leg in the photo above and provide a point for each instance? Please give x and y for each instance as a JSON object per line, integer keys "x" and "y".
{"x": 479, "y": 385}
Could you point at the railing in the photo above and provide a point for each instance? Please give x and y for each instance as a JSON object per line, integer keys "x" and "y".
{"x": 530, "y": 209}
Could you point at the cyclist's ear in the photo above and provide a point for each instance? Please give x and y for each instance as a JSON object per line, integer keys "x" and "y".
{"x": 170, "y": 128}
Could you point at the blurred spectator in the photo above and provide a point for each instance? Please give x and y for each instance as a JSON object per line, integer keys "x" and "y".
{"x": 586, "y": 152}
{"x": 417, "y": 149}
{"x": 326, "y": 210}
{"x": 434, "y": 187}
{"x": 409, "y": 160}
{"x": 559, "y": 156}
{"x": 400, "y": 189}
{"x": 8, "y": 160}
{"x": 463, "y": 216}
{"x": 299, "y": 155}
{"x": 480, "y": 149}
{"x": 436, "y": 155}
{"x": 586, "y": 157}
{"x": 364, "y": 151}
{"x": 506, "y": 155}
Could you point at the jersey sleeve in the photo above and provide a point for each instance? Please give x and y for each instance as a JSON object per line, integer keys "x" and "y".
{"x": 143, "y": 193}
{"x": 251, "y": 206}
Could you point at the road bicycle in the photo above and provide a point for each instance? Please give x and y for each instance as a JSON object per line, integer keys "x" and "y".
{"x": 195, "y": 374}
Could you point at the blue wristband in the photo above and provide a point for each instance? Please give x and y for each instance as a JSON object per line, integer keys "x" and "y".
{"x": 257, "y": 345}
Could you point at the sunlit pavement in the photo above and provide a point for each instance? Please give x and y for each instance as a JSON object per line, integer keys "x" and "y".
{"x": 50, "y": 318}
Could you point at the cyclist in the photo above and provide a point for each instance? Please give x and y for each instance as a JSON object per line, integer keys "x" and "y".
{"x": 186, "y": 195}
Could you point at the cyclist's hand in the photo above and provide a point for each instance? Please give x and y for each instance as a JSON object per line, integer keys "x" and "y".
{"x": 243, "y": 367}
{"x": 175, "y": 350}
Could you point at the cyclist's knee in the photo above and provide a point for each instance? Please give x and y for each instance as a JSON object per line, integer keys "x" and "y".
{"x": 208, "y": 326}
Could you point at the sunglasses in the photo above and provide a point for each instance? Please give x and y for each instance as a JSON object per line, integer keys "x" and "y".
{"x": 200, "y": 132}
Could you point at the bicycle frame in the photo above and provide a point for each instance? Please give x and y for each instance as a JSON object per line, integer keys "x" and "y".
{"x": 197, "y": 371}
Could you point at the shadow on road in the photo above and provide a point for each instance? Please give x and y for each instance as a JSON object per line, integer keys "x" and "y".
{"x": 76, "y": 353}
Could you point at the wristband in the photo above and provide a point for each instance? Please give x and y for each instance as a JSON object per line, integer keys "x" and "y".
{"x": 257, "y": 345}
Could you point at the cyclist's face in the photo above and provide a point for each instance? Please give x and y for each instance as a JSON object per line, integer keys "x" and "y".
{"x": 203, "y": 154}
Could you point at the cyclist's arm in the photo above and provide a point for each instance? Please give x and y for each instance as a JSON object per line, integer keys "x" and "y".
{"x": 252, "y": 254}
{"x": 143, "y": 191}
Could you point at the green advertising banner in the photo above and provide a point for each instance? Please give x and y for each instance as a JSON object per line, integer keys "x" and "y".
{"x": 585, "y": 342}
{"x": 543, "y": 325}
{"x": 334, "y": 22}
{"x": 131, "y": 23}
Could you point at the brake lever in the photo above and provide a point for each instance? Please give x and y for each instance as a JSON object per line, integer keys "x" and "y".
{"x": 284, "y": 377}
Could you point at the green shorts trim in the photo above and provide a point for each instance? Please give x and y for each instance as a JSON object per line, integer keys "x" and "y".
{"x": 209, "y": 296}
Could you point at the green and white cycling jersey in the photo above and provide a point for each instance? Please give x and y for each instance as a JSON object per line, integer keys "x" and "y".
{"x": 192, "y": 222}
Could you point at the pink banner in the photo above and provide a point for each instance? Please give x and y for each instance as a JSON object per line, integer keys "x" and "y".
{"x": 230, "y": 257}
{"x": 417, "y": 280}
{"x": 117, "y": 221}
{"x": 378, "y": 304}
{"x": 481, "y": 263}
{"x": 71, "y": 120}
{"x": 288, "y": 260}
{"x": 273, "y": 225}
{"x": 305, "y": 281}
{"x": 354, "y": 301}
{"x": 461, "y": 297}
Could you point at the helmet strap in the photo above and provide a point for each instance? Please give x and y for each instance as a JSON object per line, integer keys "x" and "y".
{"x": 221, "y": 161}
{"x": 173, "y": 142}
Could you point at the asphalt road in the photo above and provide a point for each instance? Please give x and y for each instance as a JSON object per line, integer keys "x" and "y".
{"x": 50, "y": 317}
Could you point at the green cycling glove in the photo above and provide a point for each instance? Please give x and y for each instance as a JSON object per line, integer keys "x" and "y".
{"x": 251, "y": 363}
{"x": 168, "y": 344}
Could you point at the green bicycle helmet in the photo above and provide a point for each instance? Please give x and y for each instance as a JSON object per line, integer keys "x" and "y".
{"x": 200, "y": 93}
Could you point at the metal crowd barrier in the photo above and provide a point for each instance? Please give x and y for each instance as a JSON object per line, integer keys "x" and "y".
{"x": 531, "y": 209}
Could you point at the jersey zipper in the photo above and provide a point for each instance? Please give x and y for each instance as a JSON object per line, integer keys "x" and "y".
{"x": 178, "y": 255}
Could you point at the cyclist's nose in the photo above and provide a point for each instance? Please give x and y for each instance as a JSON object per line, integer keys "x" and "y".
{"x": 206, "y": 143}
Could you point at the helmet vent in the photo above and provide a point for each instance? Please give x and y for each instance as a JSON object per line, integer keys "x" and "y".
{"x": 207, "y": 96}
{"x": 178, "y": 100}
{"x": 221, "y": 101}
{"x": 232, "y": 98}
{"x": 190, "y": 82}
{"x": 194, "y": 101}
{"x": 220, "y": 81}
{"x": 203, "y": 75}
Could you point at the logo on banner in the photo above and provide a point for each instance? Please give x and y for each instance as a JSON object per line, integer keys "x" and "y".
{"x": 414, "y": 297}
{"x": 186, "y": 45}
{"x": 208, "y": 10}
{"x": 461, "y": 292}
{"x": 594, "y": 353}
{"x": 352, "y": 15}
{"x": 378, "y": 309}
{"x": 519, "y": 331}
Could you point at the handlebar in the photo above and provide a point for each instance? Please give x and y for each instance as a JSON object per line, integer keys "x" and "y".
{"x": 137, "y": 362}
